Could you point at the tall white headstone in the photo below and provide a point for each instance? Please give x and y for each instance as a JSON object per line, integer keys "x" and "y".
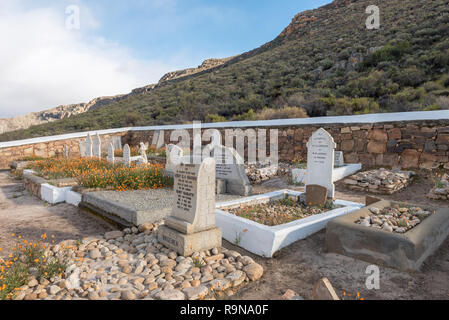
{"x": 111, "y": 156}
{"x": 127, "y": 155}
{"x": 338, "y": 159}
{"x": 96, "y": 149}
{"x": 320, "y": 160}
{"x": 89, "y": 146}
{"x": 66, "y": 151}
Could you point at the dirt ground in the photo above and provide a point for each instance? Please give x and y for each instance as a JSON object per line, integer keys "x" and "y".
{"x": 297, "y": 267}
{"x": 29, "y": 217}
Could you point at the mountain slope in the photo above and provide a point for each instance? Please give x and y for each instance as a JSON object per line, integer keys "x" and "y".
{"x": 325, "y": 61}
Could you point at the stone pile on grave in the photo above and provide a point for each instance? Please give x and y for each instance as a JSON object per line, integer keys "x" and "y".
{"x": 191, "y": 226}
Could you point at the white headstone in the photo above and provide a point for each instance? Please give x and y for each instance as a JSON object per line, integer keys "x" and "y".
{"x": 194, "y": 207}
{"x": 96, "y": 149}
{"x": 82, "y": 149}
{"x": 173, "y": 157}
{"x": 111, "y": 156}
{"x": 320, "y": 160}
{"x": 127, "y": 155}
{"x": 158, "y": 139}
{"x": 117, "y": 142}
{"x": 66, "y": 151}
{"x": 143, "y": 153}
{"x": 338, "y": 159}
{"x": 89, "y": 146}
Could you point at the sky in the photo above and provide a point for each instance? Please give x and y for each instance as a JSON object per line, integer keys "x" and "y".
{"x": 59, "y": 52}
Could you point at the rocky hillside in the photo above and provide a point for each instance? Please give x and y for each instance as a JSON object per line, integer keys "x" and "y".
{"x": 62, "y": 112}
{"x": 325, "y": 61}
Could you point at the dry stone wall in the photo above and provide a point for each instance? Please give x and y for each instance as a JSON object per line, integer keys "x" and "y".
{"x": 405, "y": 144}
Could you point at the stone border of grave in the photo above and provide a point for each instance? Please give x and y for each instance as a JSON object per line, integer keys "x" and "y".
{"x": 405, "y": 251}
{"x": 47, "y": 191}
{"x": 299, "y": 175}
{"x": 265, "y": 240}
{"x": 120, "y": 213}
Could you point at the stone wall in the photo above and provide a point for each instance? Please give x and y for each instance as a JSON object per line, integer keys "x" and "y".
{"x": 47, "y": 149}
{"x": 408, "y": 144}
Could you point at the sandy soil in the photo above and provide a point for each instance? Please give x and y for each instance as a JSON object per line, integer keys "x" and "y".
{"x": 29, "y": 217}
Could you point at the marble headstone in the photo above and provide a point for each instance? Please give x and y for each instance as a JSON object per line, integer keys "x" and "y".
{"x": 96, "y": 149}
{"x": 174, "y": 156}
{"x": 191, "y": 225}
{"x": 231, "y": 168}
{"x": 89, "y": 146}
{"x": 127, "y": 155}
{"x": 111, "y": 156}
{"x": 158, "y": 139}
{"x": 143, "y": 153}
{"x": 66, "y": 151}
{"x": 320, "y": 160}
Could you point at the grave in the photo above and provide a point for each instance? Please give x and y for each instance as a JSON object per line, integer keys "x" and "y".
{"x": 96, "y": 148}
{"x": 404, "y": 251}
{"x": 66, "y": 151}
{"x": 158, "y": 139}
{"x": 340, "y": 169}
{"x": 265, "y": 240}
{"x": 320, "y": 160}
{"x": 127, "y": 155}
{"x": 88, "y": 146}
{"x": 174, "y": 155}
{"x": 111, "y": 156}
{"x": 316, "y": 195}
{"x": 143, "y": 153}
{"x": 231, "y": 168}
{"x": 191, "y": 226}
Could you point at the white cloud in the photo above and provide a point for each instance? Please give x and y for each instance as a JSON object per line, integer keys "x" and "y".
{"x": 44, "y": 65}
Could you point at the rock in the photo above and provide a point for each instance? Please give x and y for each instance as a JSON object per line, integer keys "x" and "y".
{"x": 195, "y": 293}
{"x": 170, "y": 294}
{"x": 32, "y": 283}
{"x": 54, "y": 290}
{"x": 113, "y": 235}
{"x": 288, "y": 295}
{"x": 95, "y": 254}
{"x": 146, "y": 227}
{"x": 236, "y": 277}
{"x": 127, "y": 295}
{"x": 254, "y": 271}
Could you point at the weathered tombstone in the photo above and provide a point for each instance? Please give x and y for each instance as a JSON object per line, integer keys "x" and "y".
{"x": 66, "y": 151}
{"x": 111, "y": 156}
{"x": 96, "y": 149}
{"x": 158, "y": 139}
{"x": 323, "y": 290}
{"x": 143, "y": 153}
{"x": 117, "y": 142}
{"x": 320, "y": 160}
{"x": 127, "y": 155}
{"x": 174, "y": 155}
{"x": 191, "y": 226}
{"x": 339, "y": 159}
{"x": 89, "y": 146}
{"x": 230, "y": 167}
{"x": 316, "y": 195}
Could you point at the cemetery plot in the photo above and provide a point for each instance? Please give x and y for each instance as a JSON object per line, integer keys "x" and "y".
{"x": 280, "y": 211}
{"x": 265, "y": 240}
{"x": 406, "y": 248}
{"x": 381, "y": 181}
